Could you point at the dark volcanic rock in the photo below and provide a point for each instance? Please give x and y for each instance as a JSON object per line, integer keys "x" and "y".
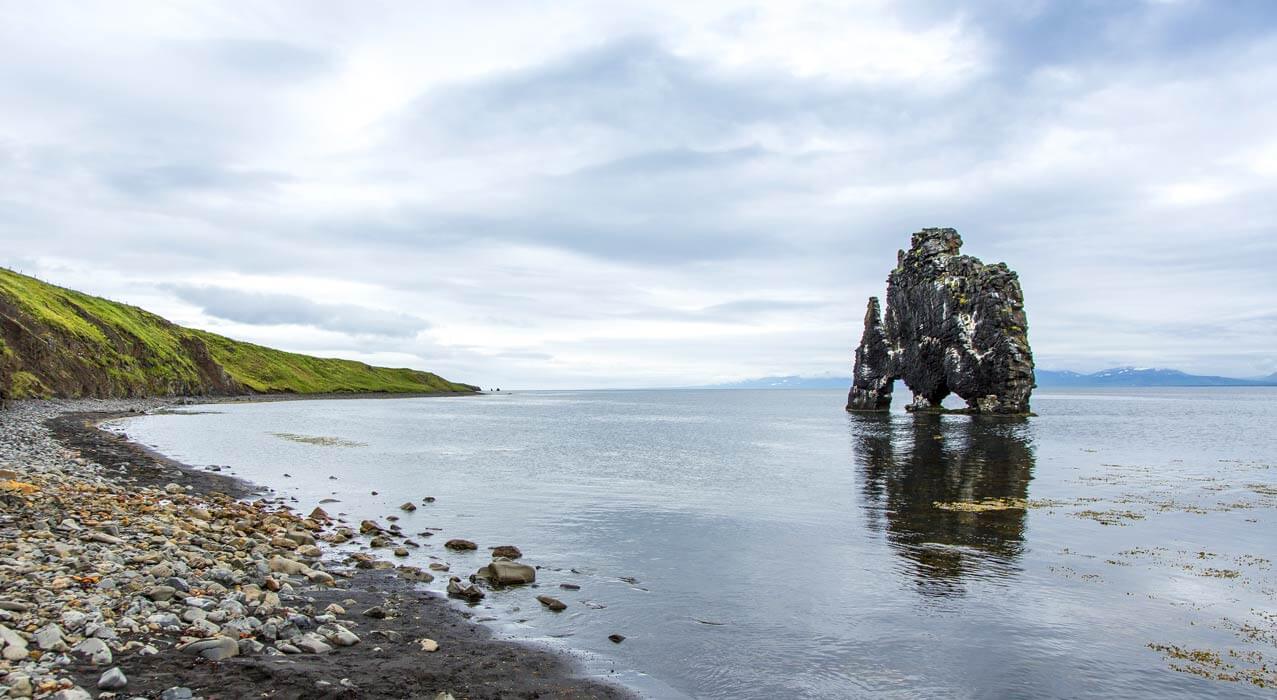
{"x": 953, "y": 325}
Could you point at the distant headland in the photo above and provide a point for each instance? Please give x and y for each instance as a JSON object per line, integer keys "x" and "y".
{"x": 59, "y": 343}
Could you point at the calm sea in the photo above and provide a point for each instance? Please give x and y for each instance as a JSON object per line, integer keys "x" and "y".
{"x": 766, "y": 544}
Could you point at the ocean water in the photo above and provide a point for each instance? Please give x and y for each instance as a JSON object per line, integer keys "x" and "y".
{"x": 764, "y": 544}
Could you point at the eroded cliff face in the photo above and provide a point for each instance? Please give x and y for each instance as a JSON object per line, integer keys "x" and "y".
{"x": 953, "y": 325}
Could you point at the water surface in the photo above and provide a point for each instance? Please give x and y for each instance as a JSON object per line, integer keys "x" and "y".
{"x": 768, "y": 544}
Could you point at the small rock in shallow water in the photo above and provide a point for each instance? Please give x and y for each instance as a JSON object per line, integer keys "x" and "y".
{"x": 508, "y": 551}
{"x": 569, "y": 586}
{"x": 554, "y": 604}
{"x": 507, "y": 573}
{"x": 616, "y": 638}
{"x": 459, "y": 544}
{"x": 113, "y": 679}
{"x": 464, "y": 589}
{"x": 408, "y": 507}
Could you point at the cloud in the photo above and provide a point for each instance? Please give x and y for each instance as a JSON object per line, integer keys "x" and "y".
{"x": 267, "y": 309}
{"x": 644, "y": 194}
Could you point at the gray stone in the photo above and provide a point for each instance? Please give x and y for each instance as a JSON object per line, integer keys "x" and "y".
{"x": 312, "y": 644}
{"x": 74, "y": 619}
{"x": 177, "y": 693}
{"x": 20, "y": 685}
{"x": 215, "y": 649}
{"x": 164, "y": 620}
{"x": 161, "y": 593}
{"x": 338, "y": 635}
{"x": 50, "y": 638}
{"x": 113, "y": 679}
{"x": 15, "y": 647}
{"x": 94, "y": 651}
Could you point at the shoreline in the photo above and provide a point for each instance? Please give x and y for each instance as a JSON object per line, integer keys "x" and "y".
{"x": 384, "y": 660}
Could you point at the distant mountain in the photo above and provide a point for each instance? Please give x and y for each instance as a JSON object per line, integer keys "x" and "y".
{"x": 1047, "y": 379}
{"x": 1141, "y": 376}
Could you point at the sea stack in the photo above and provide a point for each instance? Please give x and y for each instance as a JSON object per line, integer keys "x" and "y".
{"x": 953, "y": 325}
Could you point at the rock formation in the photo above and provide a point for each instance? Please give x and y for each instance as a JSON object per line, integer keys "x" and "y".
{"x": 952, "y": 325}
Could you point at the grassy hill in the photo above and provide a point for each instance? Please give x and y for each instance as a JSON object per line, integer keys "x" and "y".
{"x": 56, "y": 342}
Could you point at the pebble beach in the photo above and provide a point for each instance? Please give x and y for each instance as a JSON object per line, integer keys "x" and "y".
{"x": 127, "y": 575}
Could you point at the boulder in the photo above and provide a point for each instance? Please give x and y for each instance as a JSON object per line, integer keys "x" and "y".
{"x": 507, "y": 573}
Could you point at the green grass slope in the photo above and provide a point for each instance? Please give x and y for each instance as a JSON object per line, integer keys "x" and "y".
{"x": 55, "y": 342}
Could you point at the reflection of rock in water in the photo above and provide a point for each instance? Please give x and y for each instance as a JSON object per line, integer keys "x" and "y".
{"x": 911, "y": 463}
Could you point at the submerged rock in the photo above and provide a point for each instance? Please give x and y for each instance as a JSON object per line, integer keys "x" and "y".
{"x": 508, "y": 551}
{"x": 953, "y": 325}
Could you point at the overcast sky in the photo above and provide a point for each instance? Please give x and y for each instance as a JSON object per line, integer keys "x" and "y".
{"x": 586, "y": 194}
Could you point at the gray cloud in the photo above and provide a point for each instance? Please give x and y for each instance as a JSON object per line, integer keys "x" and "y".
{"x": 568, "y": 192}
{"x": 256, "y": 308}
{"x": 157, "y": 180}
